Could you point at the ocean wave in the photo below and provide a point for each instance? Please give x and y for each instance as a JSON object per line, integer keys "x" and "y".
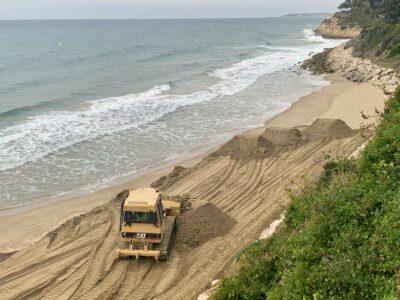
{"x": 49, "y": 104}
{"x": 48, "y": 133}
{"x": 23, "y": 109}
{"x": 162, "y": 56}
{"x": 94, "y": 56}
{"x": 277, "y": 48}
{"x": 311, "y": 37}
{"x": 20, "y": 85}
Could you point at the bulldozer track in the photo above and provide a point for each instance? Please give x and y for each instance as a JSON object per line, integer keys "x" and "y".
{"x": 204, "y": 184}
{"x": 97, "y": 258}
{"x": 167, "y": 242}
{"x": 44, "y": 263}
{"x": 219, "y": 181}
{"x": 136, "y": 272}
{"x": 68, "y": 283}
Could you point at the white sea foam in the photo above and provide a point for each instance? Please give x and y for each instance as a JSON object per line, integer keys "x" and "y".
{"x": 310, "y": 36}
{"x": 275, "y": 48}
{"x": 45, "y": 134}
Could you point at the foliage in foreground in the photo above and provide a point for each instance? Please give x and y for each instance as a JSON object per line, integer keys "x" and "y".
{"x": 341, "y": 238}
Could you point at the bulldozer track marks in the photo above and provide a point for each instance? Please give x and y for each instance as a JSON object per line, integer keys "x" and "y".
{"x": 218, "y": 181}
{"x": 80, "y": 261}
{"x": 38, "y": 265}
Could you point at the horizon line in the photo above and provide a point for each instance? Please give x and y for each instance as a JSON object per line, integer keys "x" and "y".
{"x": 165, "y": 18}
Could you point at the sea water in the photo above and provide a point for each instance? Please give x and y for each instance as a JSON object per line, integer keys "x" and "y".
{"x": 85, "y": 104}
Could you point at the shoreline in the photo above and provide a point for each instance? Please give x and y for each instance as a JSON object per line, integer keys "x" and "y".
{"x": 35, "y": 222}
{"x": 160, "y": 167}
{"x": 165, "y": 165}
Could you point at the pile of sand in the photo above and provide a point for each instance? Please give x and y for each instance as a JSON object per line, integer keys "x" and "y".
{"x": 121, "y": 196}
{"x": 275, "y": 141}
{"x": 246, "y": 147}
{"x": 72, "y": 228}
{"x": 183, "y": 199}
{"x": 4, "y": 256}
{"x": 196, "y": 227}
{"x": 284, "y": 139}
{"x": 168, "y": 180}
{"x": 328, "y": 128}
{"x": 272, "y": 142}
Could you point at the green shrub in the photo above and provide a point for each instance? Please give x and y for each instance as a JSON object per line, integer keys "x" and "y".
{"x": 395, "y": 50}
{"x": 379, "y": 20}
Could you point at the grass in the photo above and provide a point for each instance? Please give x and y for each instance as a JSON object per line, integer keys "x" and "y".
{"x": 341, "y": 237}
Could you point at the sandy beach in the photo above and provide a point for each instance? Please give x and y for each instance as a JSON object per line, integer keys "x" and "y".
{"x": 248, "y": 189}
{"x": 341, "y": 99}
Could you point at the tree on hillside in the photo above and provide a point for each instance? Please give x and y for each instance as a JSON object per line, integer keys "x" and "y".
{"x": 351, "y": 4}
{"x": 389, "y": 10}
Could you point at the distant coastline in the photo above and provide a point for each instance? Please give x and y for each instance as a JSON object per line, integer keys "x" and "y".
{"x": 323, "y": 15}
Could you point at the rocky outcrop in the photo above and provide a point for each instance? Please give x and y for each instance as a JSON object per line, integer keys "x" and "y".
{"x": 331, "y": 29}
{"x": 342, "y": 61}
{"x": 317, "y": 63}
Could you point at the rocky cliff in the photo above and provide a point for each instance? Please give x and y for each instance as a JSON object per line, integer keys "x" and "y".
{"x": 342, "y": 61}
{"x": 331, "y": 29}
{"x": 356, "y": 69}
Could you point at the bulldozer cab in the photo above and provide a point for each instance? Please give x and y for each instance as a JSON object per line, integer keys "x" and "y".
{"x": 142, "y": 212}
{"x": 130, "y": 217}
{"x": 147, "y": 223}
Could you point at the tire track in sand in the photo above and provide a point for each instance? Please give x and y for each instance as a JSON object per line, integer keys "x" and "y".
{"x": 80, "y": 260}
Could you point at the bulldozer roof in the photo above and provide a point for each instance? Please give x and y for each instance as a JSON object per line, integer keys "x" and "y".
{"x": 141, "y": 199}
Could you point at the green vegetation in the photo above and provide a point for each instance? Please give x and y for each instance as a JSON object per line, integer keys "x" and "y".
{"x": 341, "y": 238}
{"x": 387, "y": 10}
{"x": 380, "y": 21}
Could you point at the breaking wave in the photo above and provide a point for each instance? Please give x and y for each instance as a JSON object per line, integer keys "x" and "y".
{"x": 48, "y": 133}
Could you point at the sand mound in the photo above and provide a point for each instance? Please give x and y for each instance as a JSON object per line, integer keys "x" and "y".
{"x": 168, "y": 180}
{"x": 272, "y": 142}
{"x": 4, "y": 256}
{"x": 184, "y": 200}
{"x": 246, "y": 147}
{"x": 329, "y": 128}
{"x": 284, "y": 138}
{"x": 121, "y": 196}
{"x": 198, "y": 226}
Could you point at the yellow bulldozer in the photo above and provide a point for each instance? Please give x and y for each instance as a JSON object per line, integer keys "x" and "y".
{"x": 147, "y": 225}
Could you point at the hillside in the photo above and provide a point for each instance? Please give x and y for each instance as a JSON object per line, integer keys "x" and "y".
{"x": 379, "y": 39}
